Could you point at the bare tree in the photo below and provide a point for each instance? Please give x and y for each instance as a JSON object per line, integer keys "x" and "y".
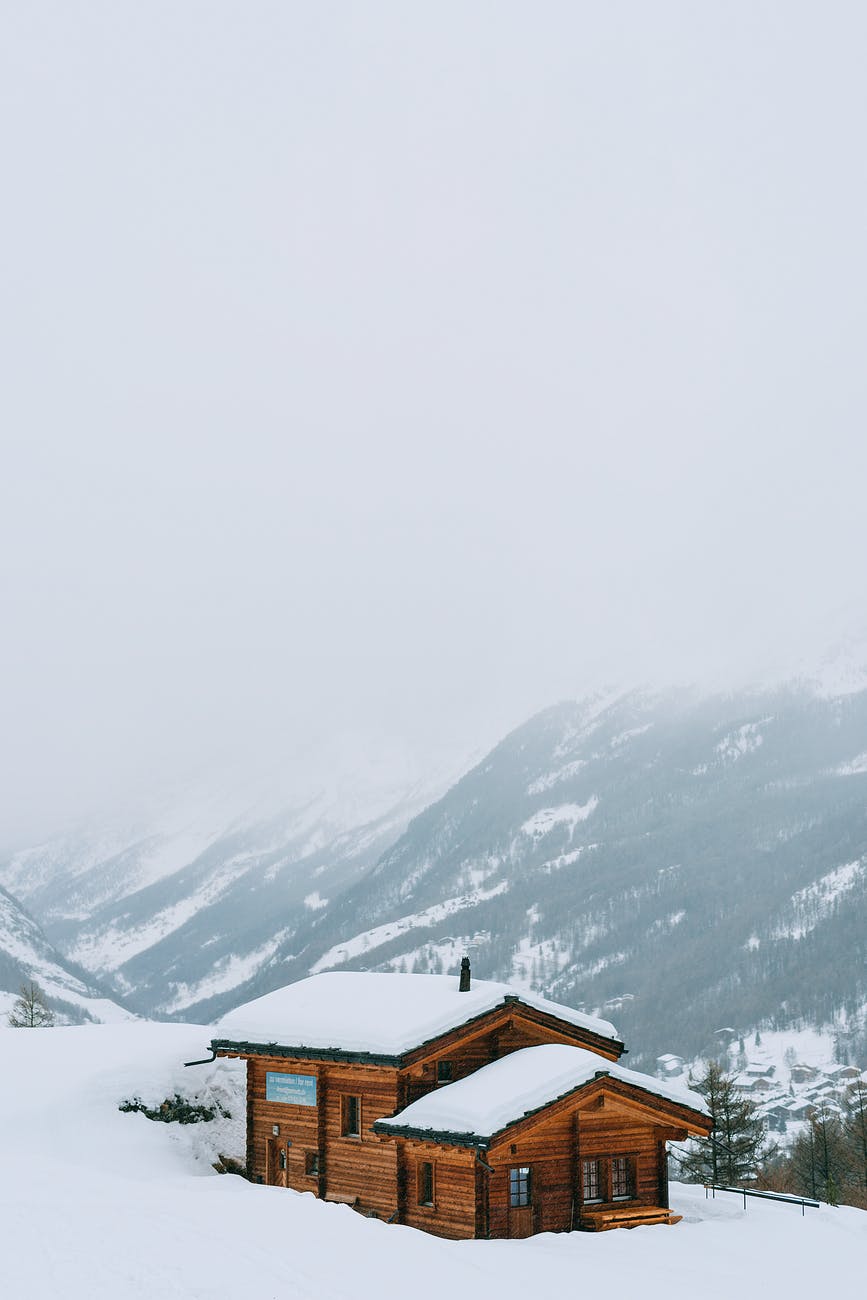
{"x": 30, "y": 1009}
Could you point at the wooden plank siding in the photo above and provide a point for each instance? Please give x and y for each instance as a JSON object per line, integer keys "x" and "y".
{"x": 359, "y": 1170}
{"x": 506, "y": 1029}
{"x": 595, "y": 1124}
{"x": 471, "y": 1047}
{"x": 453, "y": 1212}
{"x": 547, "y": 1148}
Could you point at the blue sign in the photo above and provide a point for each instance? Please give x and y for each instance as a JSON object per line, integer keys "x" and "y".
{"x": 293, "y": 1089}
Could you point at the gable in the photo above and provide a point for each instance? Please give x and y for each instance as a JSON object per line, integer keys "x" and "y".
{"x": 508, "y": 1028}
{"x": 606, "y": 1105}
{"x": 521, "y": 1087}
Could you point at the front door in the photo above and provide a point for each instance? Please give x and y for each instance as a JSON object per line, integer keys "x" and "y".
{"x": 520, "y": 1201}
{"x": 277, "y": 1162}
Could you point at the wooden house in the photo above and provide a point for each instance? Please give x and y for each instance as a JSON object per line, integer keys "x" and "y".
{"x": 364, "y": 1089}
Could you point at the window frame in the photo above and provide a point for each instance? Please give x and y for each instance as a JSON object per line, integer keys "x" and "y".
{"x": 520, "y": 1186}
{"x": 312, "y": 1164}
{"x": 596, "y": 1163}
{"x": 348, "y": 1102}
{"x": 445, "y": 1071}
{"x": 425, "y": 1181}
{"x": 628, "y": 1180}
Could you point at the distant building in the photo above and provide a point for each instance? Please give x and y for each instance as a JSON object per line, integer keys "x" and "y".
{"x": 669, "y": 1064}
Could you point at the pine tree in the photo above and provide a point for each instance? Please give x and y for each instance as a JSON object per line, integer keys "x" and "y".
{"x": 30, "y": 1009}
{"x": 820, "y": 1159}
{"x": 855, "y": 1129}
{"x": 738, "y": 1144}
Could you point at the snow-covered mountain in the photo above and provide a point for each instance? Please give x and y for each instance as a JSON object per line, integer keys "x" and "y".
{"x": 26, "y": 954}
{"x": 187, "y": 905}
{"x": 677, "y": 860}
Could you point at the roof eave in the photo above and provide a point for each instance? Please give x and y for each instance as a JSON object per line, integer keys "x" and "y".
{"x": 237, "y": 1047}
{"x": 442, "y": 1137}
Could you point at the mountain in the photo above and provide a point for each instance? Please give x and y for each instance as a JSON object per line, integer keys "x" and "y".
{"x": 26, "y": 954}
{"x": 192, "y": 903}
{"x": 680, "y": 862}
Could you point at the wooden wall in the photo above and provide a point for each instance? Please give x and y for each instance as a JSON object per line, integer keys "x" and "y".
{"x": 453, "y": 1213}
{"x": 554, "y": 1147}
{"x": 549, "y": 1149}
{"x": 360, "y": 1170}
{"x": 613, "y": 1130}
{"x": 469, "y": 1050}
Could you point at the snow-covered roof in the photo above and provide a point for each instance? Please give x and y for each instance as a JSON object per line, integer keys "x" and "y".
{"x": 381, "y": 1014}
{"x": 500, "y": 1094}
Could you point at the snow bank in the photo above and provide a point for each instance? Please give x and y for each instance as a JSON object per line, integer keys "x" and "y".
{"x": 382, "y": 1013}
{"x": 503, "y": 1092}
{"x": 96, "y": 1205}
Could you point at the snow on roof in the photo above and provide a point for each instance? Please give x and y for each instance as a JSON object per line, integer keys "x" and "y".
{"x": 384, "y": 1014}
{"x": 505, "y": 1091}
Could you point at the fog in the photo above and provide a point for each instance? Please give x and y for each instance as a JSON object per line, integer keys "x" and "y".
{"x": 401, "y": 369}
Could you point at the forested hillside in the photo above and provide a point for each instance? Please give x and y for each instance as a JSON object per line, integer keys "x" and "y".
{"x": 680, "y": 862}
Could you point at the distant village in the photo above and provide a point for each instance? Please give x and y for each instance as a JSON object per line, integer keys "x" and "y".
{"x": 786, "y": 1094}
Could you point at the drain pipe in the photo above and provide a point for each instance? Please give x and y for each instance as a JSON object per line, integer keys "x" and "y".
{"x": 206, "y": 1061}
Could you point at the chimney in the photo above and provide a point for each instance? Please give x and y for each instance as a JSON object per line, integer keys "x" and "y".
{"x": 464, "y": 986}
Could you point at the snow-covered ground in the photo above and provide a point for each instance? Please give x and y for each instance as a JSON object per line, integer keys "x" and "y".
{"x": 100, "y": 1205}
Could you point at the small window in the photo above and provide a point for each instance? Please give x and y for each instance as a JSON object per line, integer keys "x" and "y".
{"x": 311, "y": 1162}
{"x": 519, "y": 1185}
{"x": 352, "y": 1117}
{"x": 592, "y": 1189}
{"x": 425, "y": 1183}
{"x": 621, "y": 1183}
{"x": 444, "y": 1071}
{"x": 282, "y": 1158}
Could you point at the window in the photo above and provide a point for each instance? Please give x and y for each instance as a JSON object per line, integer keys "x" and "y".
{"x": 592, "y": 1189}
{"x": 311, "y": 1162}
{"x": 282, "y": 1158}
{"x": 425, "y": 1183}
{"x": 519, "y": 1185}
{"x": 352, "y": 1117}
{"x": 621, "y": 1189}
{"x": 444, "y": 1071}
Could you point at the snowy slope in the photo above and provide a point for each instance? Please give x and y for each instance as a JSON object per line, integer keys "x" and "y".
{"x": 100, "y": 1205}
{"x": 25, "y": 954}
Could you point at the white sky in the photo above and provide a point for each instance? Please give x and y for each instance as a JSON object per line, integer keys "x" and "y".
{"x": 408, "y": 367}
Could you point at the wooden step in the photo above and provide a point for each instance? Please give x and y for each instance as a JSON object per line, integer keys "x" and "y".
{"x": 627, "y": 1217}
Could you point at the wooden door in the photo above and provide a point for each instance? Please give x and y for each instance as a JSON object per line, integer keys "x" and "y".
{"x": 520, "y": 1221}
{"x": 278, "y": 1160}
{"x": 521, "y": 1197}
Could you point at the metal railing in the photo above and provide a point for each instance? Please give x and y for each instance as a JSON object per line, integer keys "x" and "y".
{"x": 803, "y": 1201}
